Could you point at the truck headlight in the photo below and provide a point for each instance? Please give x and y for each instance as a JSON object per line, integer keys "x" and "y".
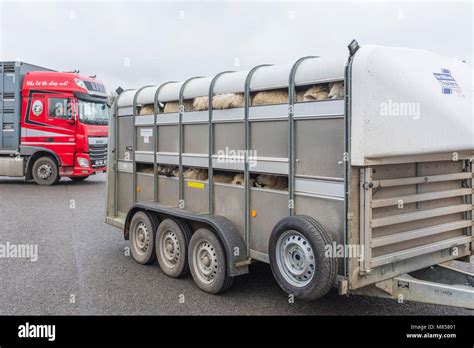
{"x": 83, "y": 162}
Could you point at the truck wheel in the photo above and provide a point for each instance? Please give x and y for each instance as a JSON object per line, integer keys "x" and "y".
{"x": 172, "y": 240}
{"x": 207, "y": 262}
{"x": 142, "y": 235}
{"x": 298, "y": 260}
{"x": 78, "y": 178}
{"x": 45, "y": 171}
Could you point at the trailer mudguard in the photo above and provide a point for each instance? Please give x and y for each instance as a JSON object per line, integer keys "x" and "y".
{"x": 225, "y": 230}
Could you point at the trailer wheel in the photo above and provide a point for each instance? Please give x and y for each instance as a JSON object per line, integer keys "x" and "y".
{"x": 207, "y": 262}
{"x": 298, "y": 260}
{"x": 142, "y": 235}
{"x": 46, "y": 171}
{"x": 172, "y": 241}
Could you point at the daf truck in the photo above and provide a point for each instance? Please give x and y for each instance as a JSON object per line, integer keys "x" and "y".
{"x": 52, "y": 124}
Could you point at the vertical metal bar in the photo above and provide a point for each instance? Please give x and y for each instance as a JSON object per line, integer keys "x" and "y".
{"x": 362, "y": 221}
{"x": 418, "y": 173}
{"x": 471, "y": 232}
{"x": 17, "y": 94}
{"x": 247, "y": 98}
{"x": 134, "y": 142}
{"x": 291, "y": 133}
{"x": 346, "y": 159}
{"x": 181, "y": 140}
{"x": 210, "y": 148}
{"x": 115, "y": 150}
{"x": 367, "y": 231}
{"x": 2, "y": 92}
{"x": 156, "y": 110}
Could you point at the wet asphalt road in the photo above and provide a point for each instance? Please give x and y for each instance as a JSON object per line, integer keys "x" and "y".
{"x": 82, "y": 267}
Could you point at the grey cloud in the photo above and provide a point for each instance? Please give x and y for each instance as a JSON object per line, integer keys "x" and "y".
{"x": 174, "y": 40}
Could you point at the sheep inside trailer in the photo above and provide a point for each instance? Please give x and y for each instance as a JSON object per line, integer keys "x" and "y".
{"x": 318, "y": 168}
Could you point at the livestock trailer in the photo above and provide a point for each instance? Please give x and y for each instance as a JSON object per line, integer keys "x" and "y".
{"x": 379, "y": 194}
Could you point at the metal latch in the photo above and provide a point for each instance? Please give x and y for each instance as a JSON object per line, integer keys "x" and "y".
{"x": 367, "y": 185}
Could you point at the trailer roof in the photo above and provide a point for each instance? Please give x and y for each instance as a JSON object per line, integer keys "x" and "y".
{"x": 310, "y": 71}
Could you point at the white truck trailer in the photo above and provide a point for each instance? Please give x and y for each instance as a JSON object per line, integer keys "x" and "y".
{"x": 379, "y": 195}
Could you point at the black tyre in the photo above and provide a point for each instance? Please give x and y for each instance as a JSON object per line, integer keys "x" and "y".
{"x": 45, "y": 171}
{"x": 172, "y": 241}
{"x": 78, "y": 178}
{"x": 297, "y": 257}
{"x": 142, "y": 234}
{"x": 208, "y": 262}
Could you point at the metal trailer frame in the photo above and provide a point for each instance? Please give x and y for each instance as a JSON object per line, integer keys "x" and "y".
{"x": 391, "y": 278}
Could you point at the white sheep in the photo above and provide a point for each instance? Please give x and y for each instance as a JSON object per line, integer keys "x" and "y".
{"x": 147, "y": 110}
{"x": 273, "y": 182}
{"x": 174, "y": 106}
{"x": 336, "y": 89}
{"x": 195, "y": 174}
{"x": 316, "y": 92}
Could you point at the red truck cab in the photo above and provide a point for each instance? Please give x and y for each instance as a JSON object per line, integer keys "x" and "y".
{"x": 61, "y": 130}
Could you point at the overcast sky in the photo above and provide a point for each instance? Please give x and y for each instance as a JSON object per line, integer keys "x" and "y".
{"x": 131, "y": 43}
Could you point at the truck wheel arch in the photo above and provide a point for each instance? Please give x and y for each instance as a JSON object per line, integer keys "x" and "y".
{"x": 223, "y": 228}
{"x": 34, "y": 156}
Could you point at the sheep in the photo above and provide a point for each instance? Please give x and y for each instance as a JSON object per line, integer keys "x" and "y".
{"x": 174, "y": 106}
{"x": 280, "y": 96}
{"x": 273, "y": 182}
{"x": 300, "y": 96}
{"x": 239, "y": 180}
{"x": 336, "y": 89}
{"x": 195, "y": 174}
{"x": 223, "y": 177}
{"x": 317, "y": 92}
{"x": 147, "y": 109}
{"x": 201, "y": 103}
{"x": 169, "y": 171}
{"x": 228, "y": 101}
{"x": 146, "y": 170}
{"x": 276, "y": 96}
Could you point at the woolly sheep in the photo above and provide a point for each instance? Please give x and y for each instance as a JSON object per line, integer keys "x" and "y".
{"x": 228, "y": 101}
{"x": 147, "y": 170}
{"x": 223, "y": 177}
{"x": 201, "y": 103}
{"x": 336, "y": 89}
{"x": 239, "y": 180}
{"x": 195, "y": 174}
{"x": 317, "y": 92}
{"x": 276, "y": 96}
{"x": 147, "y": 110}
{"x": 174, "y": 106}
{"x": 170, "y": 171}
{"x": 273, "y": 182}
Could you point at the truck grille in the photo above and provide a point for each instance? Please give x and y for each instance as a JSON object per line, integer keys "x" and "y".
{"x": 98, "y": 152}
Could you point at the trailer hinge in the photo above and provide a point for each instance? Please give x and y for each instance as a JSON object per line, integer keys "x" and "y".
{"x": 350, "y": 216}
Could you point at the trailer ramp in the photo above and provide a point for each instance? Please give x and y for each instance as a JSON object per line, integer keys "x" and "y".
{"x": 414, "y": 209}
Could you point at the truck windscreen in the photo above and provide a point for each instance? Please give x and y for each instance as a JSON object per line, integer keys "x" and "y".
{"x": 93, "y": 113}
